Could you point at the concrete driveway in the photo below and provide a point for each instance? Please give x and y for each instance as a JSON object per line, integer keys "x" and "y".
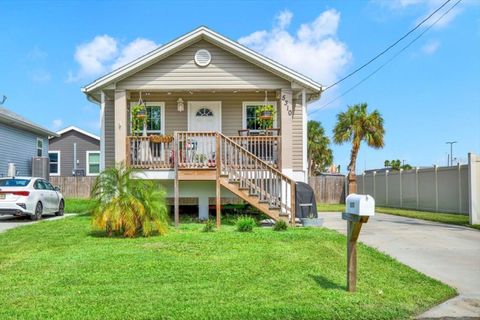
{"x": 10, "y": 222}
{"x": 445, "y": 252}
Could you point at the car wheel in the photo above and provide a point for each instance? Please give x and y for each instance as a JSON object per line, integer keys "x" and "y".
{"x": 38, "y": 212}
{"x": 61, "y": 207}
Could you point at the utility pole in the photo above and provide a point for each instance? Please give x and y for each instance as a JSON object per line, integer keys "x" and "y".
{"x": 451, "y": 143}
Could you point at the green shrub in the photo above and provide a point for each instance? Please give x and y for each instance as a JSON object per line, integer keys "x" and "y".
{"x": 280, "y": 225}
{"x": 245, "y": 224}
{"x": 209, "y": 226}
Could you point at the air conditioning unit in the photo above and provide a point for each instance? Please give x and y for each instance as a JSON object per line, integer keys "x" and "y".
{"x": 41, "y": 167}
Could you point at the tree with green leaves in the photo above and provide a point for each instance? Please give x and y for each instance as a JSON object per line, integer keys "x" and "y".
{"x": 128, "y": 206}
{"x": 356, "y": 125}
{"x": 396, "y": 165}
{"x": 320, "y": 155}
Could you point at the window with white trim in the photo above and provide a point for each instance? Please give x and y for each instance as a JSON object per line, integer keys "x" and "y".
{"x": 154, "y": 118}
{"x": 93, "y": 163}
{"x": 54, "y": 157}
{"x": 39, "y": 147}
{"x": 250, "y": 118}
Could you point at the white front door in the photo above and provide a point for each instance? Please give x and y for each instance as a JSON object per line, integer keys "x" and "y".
{"x": 205, "y": 116}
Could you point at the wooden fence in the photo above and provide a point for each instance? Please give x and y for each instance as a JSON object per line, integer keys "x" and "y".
{"x": 74, "y": 187}
{"x": 329, "y": 188}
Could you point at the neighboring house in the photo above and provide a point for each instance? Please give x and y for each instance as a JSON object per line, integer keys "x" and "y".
{"x": 20, "y": 141}
{"x": 204, "y": 89}
{"x": 74, "y": 152}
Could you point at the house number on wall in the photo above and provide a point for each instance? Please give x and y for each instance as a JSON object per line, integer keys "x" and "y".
{"x": 286, "y": 104}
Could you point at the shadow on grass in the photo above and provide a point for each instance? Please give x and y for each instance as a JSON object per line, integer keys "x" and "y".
{"x": 326, "y": 283}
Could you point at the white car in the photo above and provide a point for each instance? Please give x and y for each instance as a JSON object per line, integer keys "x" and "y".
{"x": 27, "y": 196}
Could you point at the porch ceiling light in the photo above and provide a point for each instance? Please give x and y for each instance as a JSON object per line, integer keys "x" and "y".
{"x": 180, "y": 105}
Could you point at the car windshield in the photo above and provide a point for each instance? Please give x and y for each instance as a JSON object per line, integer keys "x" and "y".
{"x": 14, "y": 182}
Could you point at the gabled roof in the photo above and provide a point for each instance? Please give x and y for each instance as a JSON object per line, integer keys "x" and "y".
{"x": 16, "y": 120}
{"x": 213, "y": 37}
{"x": 91, "y": 135}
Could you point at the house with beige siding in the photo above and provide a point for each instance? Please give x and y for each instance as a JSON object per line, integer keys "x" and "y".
{"x": 200, "y": 95}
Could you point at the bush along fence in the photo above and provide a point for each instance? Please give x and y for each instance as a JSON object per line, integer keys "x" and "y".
{"x": 74, "y": 187}
{"x": 453, "y": 189}
{"x": 328, "y": 188}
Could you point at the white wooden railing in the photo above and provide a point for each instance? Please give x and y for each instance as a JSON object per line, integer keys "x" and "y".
{"x": 195, "y": 150}
{"x": 257, "y": 177}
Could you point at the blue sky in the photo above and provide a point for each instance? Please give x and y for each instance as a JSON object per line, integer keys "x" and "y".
{"x": 428, "y": 95}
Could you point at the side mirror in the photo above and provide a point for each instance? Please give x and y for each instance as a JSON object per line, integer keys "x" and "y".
{"x": 57, "y": 188}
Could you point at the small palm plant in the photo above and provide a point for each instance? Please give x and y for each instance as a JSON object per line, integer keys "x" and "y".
{"x": 128, "y": 206}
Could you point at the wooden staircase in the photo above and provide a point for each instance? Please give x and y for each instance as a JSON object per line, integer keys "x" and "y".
{"x": 254, "y": 180}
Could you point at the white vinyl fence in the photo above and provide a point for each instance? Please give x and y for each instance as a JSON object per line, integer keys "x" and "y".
{"x": 443, "y": 189}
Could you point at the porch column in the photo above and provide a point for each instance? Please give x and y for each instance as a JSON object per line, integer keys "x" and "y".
{"x": 121, "y": 125}
{"x": 203, "y": 207}
{"x": 286, "y": 114}
{"x": 102, "y": 131}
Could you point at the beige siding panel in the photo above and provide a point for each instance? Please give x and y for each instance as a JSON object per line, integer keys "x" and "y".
{"x": 109, "y": 132}
{"x": 297, "y": 136}
{"x": 226, "y": 71}
{"x": 232, "y": 106}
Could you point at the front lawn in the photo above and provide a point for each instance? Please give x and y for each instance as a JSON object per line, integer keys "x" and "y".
{"x": 451, "y": 218}
{"x": 59, "y": 269}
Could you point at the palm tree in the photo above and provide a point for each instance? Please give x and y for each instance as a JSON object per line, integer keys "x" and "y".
{"x": 318, "y": 148}
{"x": 356, "y": 125}
{"x": 128, "y": 206}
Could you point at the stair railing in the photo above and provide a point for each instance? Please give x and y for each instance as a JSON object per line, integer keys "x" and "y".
{"x": 257, "y": 177}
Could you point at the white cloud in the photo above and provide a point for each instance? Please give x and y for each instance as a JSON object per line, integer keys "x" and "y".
{"x": 133, "y": 50}
{"x": 430, "y": 47}
{"x": 104, "y": 53}
{"x": 313, "y": 50}
{"x": 93, "y": 55}
{"x": 57, "y": 124}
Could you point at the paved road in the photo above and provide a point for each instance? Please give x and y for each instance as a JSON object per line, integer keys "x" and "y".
{"x": 445, "y": 252}
{"x": 10, "y": 222}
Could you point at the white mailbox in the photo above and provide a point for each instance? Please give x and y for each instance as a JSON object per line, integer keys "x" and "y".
{"x": 360, "y": 204}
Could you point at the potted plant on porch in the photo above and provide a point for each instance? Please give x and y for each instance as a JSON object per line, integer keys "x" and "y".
{"x": 139, "y": 118}
{"x": 266, "y": 115}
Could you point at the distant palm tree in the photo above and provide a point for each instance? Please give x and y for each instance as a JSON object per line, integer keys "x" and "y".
{"x": 356, "y": 125}
{"x": 320, "y": 155}
{"x": 128, "y": 206}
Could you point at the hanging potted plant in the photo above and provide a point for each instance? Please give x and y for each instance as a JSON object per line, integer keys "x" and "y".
{"x": 139, "y": 118}
{"x": 265, "y": 115}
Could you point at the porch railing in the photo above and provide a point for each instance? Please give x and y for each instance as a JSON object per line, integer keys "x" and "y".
{"x": 143, "y": 153}
{"x": 267, "y": 148}
{"x": 195, "y": 150}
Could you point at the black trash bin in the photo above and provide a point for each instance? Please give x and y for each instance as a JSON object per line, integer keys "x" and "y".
{"x": 305, "y": 204}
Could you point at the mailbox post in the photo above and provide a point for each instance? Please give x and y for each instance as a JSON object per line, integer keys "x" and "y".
{"x": 358, "y": 209}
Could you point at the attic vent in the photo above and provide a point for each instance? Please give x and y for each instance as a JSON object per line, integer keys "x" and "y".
{"x": 203, "y": 58}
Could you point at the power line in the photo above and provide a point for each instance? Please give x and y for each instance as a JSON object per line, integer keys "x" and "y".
{"x": 388, "y": 61}
{"x": 388, "y": 48}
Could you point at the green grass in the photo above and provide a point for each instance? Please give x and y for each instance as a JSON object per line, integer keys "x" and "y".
{"x": 60, "y": 270}
{"x": 73, "y": 205}
{"x": 450, "y": 218}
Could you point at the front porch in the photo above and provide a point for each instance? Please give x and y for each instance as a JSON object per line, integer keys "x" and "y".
{"x": 196, "y": 150}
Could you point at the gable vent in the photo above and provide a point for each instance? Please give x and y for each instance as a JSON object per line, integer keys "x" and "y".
{"x": 203, "y": 58}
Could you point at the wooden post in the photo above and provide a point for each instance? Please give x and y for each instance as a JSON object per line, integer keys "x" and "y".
{"x": 354, "y": 225}
{"x": 218, "y": 162}
{"x": 176, "y": 182}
